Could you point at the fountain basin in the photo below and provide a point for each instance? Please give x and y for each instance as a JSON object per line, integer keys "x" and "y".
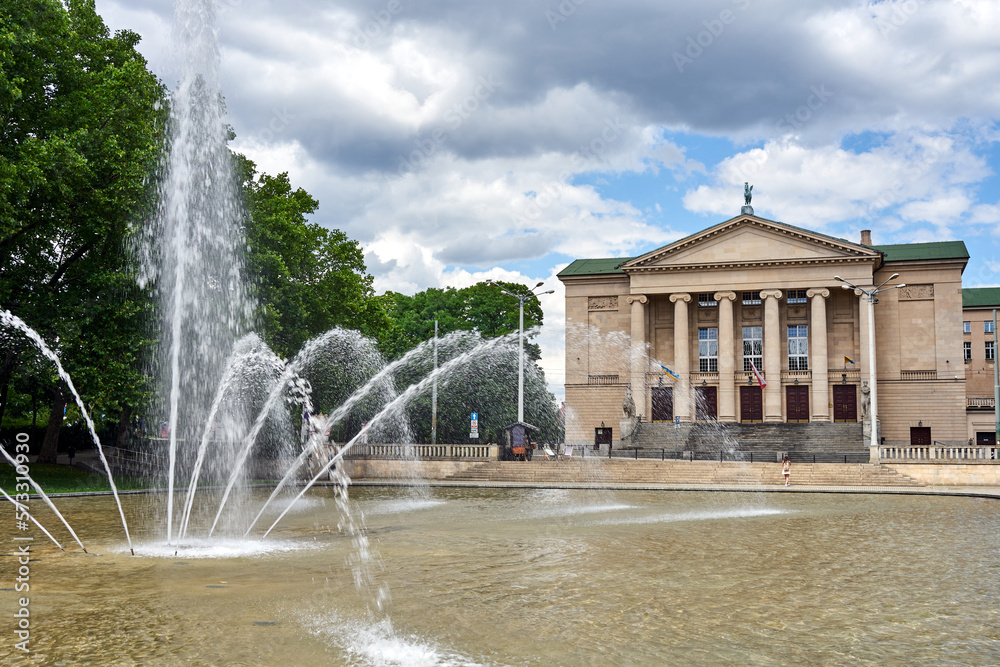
{"x": 545, "y": 576}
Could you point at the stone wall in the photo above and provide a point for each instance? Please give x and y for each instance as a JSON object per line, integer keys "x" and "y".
{"x": 386, "y": 469}
{"x": 950, "y": 474}
{"x": 591, "y": 405}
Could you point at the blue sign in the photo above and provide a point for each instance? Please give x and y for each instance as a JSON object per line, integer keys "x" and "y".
{"x": 677, "y": 420}
{"x": 475, "y": 416}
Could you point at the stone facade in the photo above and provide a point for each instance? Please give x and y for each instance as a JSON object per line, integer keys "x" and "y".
{"x": 979, "y": 355}
{"x": 687, "y": 325}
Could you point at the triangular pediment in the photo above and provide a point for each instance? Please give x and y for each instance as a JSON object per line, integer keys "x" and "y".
{"x": 750, "y": 241}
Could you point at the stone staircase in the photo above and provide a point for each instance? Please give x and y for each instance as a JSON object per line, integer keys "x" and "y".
{"x": 680, "y": 473}
{"x": 713, "y": 436}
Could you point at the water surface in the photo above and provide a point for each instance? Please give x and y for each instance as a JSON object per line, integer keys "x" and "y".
{"x": 534, "y": 577}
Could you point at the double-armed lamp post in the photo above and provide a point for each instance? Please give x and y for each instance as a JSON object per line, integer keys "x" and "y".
{"x": 521, "y": 298}
{"x": 870, "y": 296}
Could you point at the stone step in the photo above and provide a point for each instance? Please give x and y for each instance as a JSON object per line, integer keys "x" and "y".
{"x": 683, "y": 472}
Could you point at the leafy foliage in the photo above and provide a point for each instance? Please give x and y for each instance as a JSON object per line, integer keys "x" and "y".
{"x": 309, "y": 279}
{"x": 81, "y": 121}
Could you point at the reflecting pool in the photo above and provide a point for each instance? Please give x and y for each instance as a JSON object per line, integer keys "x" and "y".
{"x": 532, "y": 577}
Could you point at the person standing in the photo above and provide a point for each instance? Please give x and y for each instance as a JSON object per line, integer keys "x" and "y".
{"x": 786, "y": 469}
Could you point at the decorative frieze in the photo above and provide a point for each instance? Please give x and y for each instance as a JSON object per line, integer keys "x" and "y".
{"x": 602, "y": 303}
{"x": 916, "y": 292}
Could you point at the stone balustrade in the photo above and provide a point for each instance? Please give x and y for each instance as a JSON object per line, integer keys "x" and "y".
{"x": 421, "y": 452}
{"x": 937, "y": 453}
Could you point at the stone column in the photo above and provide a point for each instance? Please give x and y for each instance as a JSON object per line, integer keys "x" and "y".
{"x": 772, "y": 356}
{"x": 863, "y": 362}
{"x": 638, "y": 362}
{"x": 682, "y": 358}
{"x": 818, "y": 360}
{"x": 727, "y": 357}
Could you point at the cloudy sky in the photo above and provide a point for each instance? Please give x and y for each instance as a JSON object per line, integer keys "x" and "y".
{"x": 459, "y": 140}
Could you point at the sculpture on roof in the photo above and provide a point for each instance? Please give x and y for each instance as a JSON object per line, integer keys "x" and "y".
{"x": 747, "y": 193}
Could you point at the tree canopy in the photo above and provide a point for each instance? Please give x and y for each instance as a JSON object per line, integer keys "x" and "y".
{"x": 81, "y": 122}
{"x": 309, "y": 279}
{"x": 481, "y": 308}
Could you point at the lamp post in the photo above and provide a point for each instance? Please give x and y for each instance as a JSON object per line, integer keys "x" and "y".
{"x": 521, "y": 298}
{"x": 870, "y": 296}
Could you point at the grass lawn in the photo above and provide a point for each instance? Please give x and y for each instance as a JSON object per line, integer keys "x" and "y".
{"x": 64, "y": 479}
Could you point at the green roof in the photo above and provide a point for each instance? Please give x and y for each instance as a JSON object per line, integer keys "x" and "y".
{"x": 981, "y": 297}
{"x": 904, "y": 252}
{"x": 594, "y": 267}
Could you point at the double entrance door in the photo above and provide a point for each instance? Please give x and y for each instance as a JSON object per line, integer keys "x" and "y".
{"x": 706, "y": 403}
{"x": 845, "y": 403}
{"x": 752, "y": 403}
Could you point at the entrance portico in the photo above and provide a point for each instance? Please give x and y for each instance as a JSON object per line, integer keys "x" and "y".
{"x": 745, "y": 322}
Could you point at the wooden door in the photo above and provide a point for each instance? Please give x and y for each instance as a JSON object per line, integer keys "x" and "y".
{"x": 920, "y": 435}
{"x": 751, "y": 404}
{"x": 706, "y": 403}
{"x": 845, "y": 403}
{"x": 797, "y": 403}
{"x": 663, "y": 404}
{"x": 602, "y": 435}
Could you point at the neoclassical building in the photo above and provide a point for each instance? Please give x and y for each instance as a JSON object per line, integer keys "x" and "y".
{"x": 747, "y": 321}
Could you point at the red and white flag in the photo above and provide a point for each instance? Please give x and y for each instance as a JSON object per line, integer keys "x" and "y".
{"x": 756, "y": 374}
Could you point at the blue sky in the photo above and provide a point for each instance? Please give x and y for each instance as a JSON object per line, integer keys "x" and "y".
{"x": 460, "y": 140}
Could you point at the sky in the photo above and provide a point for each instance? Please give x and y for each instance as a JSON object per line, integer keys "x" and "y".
{"x": 464, "y": 140}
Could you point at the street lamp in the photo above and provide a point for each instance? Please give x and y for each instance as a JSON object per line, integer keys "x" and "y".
{"x": 870, "y": 297}
{"x": 521, "y": 298}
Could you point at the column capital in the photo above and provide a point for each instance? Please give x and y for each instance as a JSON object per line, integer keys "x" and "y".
{"x": 719, "y": 296}
{"x": 680, "y": 296}
{"x": 818, "y": 291}
{"x": 770, "y": 294}
{"x": 633, "y": 298}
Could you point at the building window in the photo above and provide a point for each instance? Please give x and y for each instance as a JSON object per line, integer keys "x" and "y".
{"x": 967, "y": 351}
{"x": 706, "y": 300}
{"x": 708, "y": 350}
{"x": 990, "y": 354}
{"x": 796, "y": 296}
{"x": 966, "y": 327}
{"x": 988, "y": 326}
{"x": 753, "y": 348}
{"x": 798, "y": 348}
{"x": 751, "y": 298}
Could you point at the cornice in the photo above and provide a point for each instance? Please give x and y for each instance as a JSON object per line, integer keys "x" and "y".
{"x": 753, "y": 222}
{"x": 721, "y": 266}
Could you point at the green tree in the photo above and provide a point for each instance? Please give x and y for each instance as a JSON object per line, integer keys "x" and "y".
{"x": 481, "y": 308}
{"x": 309, "y": 279}
{"x": 486, "y": 385}
{"x": 80, "y": 137}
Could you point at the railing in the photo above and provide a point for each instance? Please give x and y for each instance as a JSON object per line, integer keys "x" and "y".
{"x": 796, "y": 375}
{"x": 711, "y": 378}
{"x": 937, "y": 452}
{"x": 602, "y": 379}
{"x": 979, "y": 402}
{"x": 918, "y": 375}
{"x": 422, "y": 452}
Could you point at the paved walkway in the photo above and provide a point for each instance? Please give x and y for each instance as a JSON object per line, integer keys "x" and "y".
{"x": 969, "y": 491}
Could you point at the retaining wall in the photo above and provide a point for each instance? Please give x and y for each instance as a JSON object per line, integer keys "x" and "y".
{"x": 986, "y": 473}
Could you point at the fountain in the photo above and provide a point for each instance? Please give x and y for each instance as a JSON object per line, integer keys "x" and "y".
{"x": 479, "y": 576}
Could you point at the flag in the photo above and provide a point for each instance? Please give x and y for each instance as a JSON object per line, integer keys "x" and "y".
{"x": 756, "y": 374}
{"x": 848, "y": 360}
{"x": 670, "y": 372}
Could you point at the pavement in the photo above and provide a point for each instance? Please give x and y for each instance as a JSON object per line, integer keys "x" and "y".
{"x": 967, "y": 491}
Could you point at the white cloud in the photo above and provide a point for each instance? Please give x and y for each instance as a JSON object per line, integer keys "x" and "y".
{"x": 462, "y": 140}
{"x": 929, "y": 178}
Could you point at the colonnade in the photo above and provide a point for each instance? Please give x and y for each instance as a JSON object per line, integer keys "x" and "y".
{"x": 727, "y": 354}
